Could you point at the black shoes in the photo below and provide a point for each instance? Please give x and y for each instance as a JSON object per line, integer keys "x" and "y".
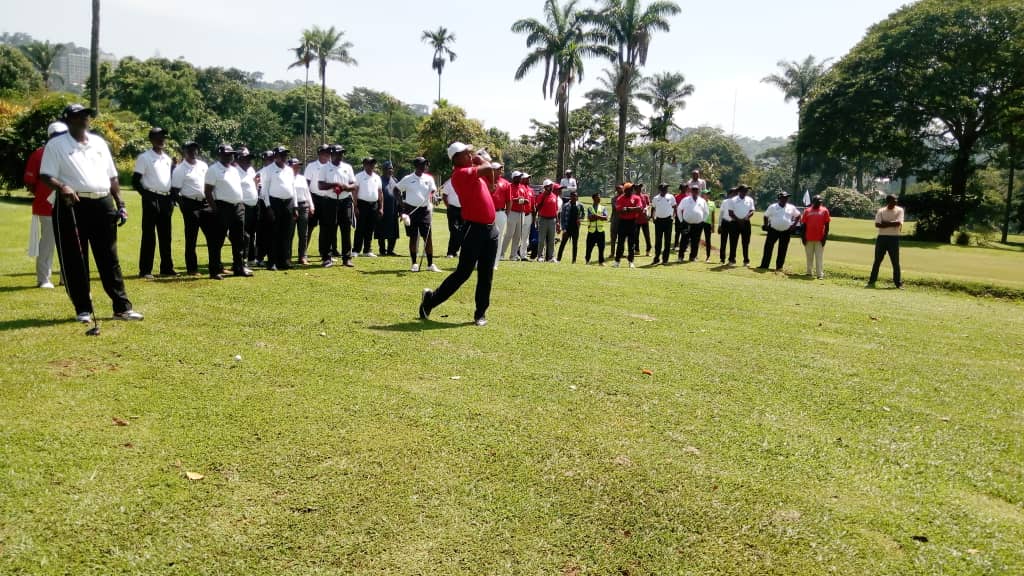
{"x": 425, "y": 303}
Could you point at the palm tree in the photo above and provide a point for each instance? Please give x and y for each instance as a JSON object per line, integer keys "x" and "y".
{"x": 441, "y": 40}
{"x": 628, "y": 26}
{"x": 43, "y": 56}
{"x": 666, "y": 93}
{"x": 329, "y": 46}
{"x": 797, "y": 80}
{"x": 305, "y": 56}
{"x": 604, "y": 100}
{"x": 94, "y": 57}
{"x": 562, "y": 42}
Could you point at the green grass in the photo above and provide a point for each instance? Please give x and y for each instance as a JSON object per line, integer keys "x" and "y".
{"x": 789, "y": 427}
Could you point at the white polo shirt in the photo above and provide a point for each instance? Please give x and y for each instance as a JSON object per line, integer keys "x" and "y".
{"x": 723, "y": 210}
{"x": 277, "y": 182}
{"x": 693, "y": 210}
{"x": 189, "y": 179}
{"x": 699, "y": 181}
{"x": 369, "y": 186}
{"x": 781, "y": 218}
{"x": 340, "y": 174}
{"x": 250, "y": 193}
{"x": 312, "y": 173}
{"x": 85, "y": 167}
{"x": 226, "y": 182}
{"x": 568, "y": 185}
{"x": 449, "y": 192}
{"x": 155, "y": 170}
{"x": 742, "y": 207}
{"x": 418, "y": 190}
{"x": 664, "y": 206}
{"x": 302, "y": 192}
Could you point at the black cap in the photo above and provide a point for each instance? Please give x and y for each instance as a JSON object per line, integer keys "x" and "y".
{"x": 783, "y": 194}
{"x": 420, "y": 161}
{"x": 267, "y": 154}
{"x": 281, "y": 150}
{"x": 157, "y": 131}
{"x": 369, "y": 160}
{"x": 323, "y": 148}
{"x": 662, "y": 186}
{"x": 225, "y": 149}
{"x": 387, "y": 165}
{"x": 191, "y": 144}
{"x": 77, "y": 109}
{"x": 337, "y": 149}
{"x": 816, "y": 198}
{"x": 243, "y": 152}
{"x": 294, "y": 161}
{"x": 742, "y": 187}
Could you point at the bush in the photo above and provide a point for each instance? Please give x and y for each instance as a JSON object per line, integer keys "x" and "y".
{"x": 18, "y": 78}
{"x": 848, "y": 203}
{"x": 932, "y": 210}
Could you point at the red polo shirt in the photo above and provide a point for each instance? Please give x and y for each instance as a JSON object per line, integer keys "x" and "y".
{"x": 547, "y": 205}
{"x": 628, "y": 201}
{"x": 477, "y": 204}
{"x": 502, "y": 193}
{"x": 524, "y": 192}
{"x": 814, "y": 223}
{"x": 40, "y": 207}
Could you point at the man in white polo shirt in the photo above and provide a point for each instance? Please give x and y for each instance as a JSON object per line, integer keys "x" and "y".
{"x": 741, "y": 210}
{"x": 779, "y": 221}
{"x": 889, "y": 222}
{"x": 278, "y": 192}
{"x": 568, "y": 185}
{"x": 250, "y": 200}
{"x": 312, "y": 174}
{"x": 454, "y": 214}
{"x": 88, "y": 208}
{"x": 693, "y": 210}
{"x": 152, "y": 179}
{"x": 725, "y": 224}
{"x": 664, "y": 207}
{"x": 187, "y": 184}
{"x": 418, "y": 191}
{"x": 224, "y": 201}
{"x": 337, "y": 181}
{"x": 368, "y": 206}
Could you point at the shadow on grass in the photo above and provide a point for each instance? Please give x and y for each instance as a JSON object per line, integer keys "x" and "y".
{"x": 22, "y": 323}
{"x": 402, "y": 272}
{"x": 905, "y": 241}
{"x": 16, "y": 288}
{"x": 420, "y": 326}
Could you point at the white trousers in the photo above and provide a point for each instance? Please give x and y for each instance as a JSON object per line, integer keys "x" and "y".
{"x": 500, "y": 220}
{"x": 815, "y": 259}
{"x": 44, "y": 244}
{"x": 517, "y": 235}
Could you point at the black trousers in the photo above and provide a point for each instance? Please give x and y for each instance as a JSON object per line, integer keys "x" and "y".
{"x": 229, "y": 221}
{"x": 282, "y": 231}
{"x": 707, "y": 240}
{"x": 679, "y": 234}
{"x": 627, "y": 235}
{"x": 782, "y": 238}
{"x": 190, "y": 211}
{"x": 345, "y": 222}
{"x": 302, "y": 227}
{"x": 644, "y": 229}
{"x": 454, "y": 225}
{"x": 156, "y": 222}
{"x": 366, "y": 223}
{"x": 264, "y": 232}
{"x": 96, "y": 228}
{"x": 595, "y": 239}
{"x": 327, "y": 219}
{"x": 662, "y": 238}
{"x": 693, "y": 232}
{"x": 724, "y": 235}
{"x": 740, "y": 231}
{"x": 883, "y": 245}
{"x": 572, "y": 233}
{"x": 479, "y": 243}
{"x": 250, "y": 223}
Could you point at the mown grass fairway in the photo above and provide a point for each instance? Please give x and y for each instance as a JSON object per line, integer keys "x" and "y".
{"x": 788, "y": 426}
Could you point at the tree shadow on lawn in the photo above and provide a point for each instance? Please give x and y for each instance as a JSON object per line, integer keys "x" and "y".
{"x": 22, "y": 323}
{"x": 16, "y": 288}
{"x": 905, "y": 241}
{"x": 420, "y": 326}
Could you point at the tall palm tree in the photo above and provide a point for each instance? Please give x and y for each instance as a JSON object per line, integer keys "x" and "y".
{"x": 628, "y": 26}
{"x": 441, "y": 40}
{"x": 605, "y": 100}
{"x": 330, "y": 46}
{"x": 43, "y": 57}
{"x": 561, "y": 42}
{"x": 666, "y": 93}
{"x": 94, "y": 57}
{"x": 796, "y": 81}
{"x": 305, "y": 55}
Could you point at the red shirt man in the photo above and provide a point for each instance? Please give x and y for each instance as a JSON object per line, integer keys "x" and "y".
{"x": 502, "y": 194}
{"x": 522, "y": 192}
{"x": 40, "y": 207}
{"x": 477, "y": 204}
{"x": 628, "y": 200}
{"x": 816, "y": 219}
{"x": 547, "y": 203}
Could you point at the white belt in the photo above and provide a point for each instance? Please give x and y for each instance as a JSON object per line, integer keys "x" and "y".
{"x": 159, "y": 193}
{"x": 93, "y": 195}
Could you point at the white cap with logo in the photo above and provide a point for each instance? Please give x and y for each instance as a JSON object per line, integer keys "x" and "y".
{"x": 457, "y": 148}
{"x": 56, "y": 128}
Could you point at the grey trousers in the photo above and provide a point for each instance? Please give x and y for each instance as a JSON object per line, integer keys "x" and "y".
{"x": 47, "y": 244}
{"x": 545, "y": 238}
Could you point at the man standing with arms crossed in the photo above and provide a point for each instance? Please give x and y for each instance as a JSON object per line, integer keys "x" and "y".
{"x": 337, "y": 180}
{"x": 88, "y": 210}
{"x": 597, "y": 215}
{"x": 547, "y": 222}
{"x": 664, "y": 207}
{"x": 277, "y": 183}
{"x": 740, "y": 212}
{"x": 692, "y": 211}
{"x": 816, "y": 220}
{"x": 418, "y": 191}
{"x": 368, "y": 206}
{"x": 224, "y": 201}
{"x": 470, "y": 180}
{"x": 517, "y": 233}
{"x": 889, "y": 222}
{"x": 187, "y": 184}
{"x": 152, "y": 180}
{"x": 779, "y": 221}
{"x": 628, "y": 206}
{"x": 571, "y": 216}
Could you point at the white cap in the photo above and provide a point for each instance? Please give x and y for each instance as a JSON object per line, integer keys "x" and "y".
{"x": 56, "y": 128}
{"x": 517, "y": 174}
{"x": 525, "y": 175}
{"x": 484, "y": 154}
{"x": 497, "y": 165}
{"x": 456, "y": 148}
{"x": 547, "y": 182}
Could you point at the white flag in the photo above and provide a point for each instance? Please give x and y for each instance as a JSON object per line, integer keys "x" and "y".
{"x": 807, "y": 198}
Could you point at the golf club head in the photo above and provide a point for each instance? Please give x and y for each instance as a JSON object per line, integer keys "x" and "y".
{"x": 94, "y": 331}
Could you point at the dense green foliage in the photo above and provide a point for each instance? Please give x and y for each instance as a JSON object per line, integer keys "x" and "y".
{"x": 849, "y": 203}
{"x": 18, "y": 78}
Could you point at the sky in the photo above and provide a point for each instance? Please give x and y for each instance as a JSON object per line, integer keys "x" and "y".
{"x": 723, "y": 47}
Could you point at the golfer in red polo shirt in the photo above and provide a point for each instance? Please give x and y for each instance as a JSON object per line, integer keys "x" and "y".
{"x": 473, "y": 181}
{"x": 628, "y": 207}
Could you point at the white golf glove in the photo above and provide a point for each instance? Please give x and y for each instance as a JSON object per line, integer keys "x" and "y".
{"x": 406, "y": 220}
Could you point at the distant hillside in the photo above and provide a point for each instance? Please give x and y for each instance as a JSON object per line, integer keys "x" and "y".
{"x": 750, "y": 146}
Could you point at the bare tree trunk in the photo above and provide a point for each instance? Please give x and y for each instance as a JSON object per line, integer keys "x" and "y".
{"x": 305, "y": 118}
{"x": 620, "y": 152}
{"x": 1009, "y": 191}
{"x": 563, "y": 136}
{"x": 94, "y": 57}
{"x": 796, "y": 173}
{"x": 438, "y": 87}
{"x": 323, "y": 106}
